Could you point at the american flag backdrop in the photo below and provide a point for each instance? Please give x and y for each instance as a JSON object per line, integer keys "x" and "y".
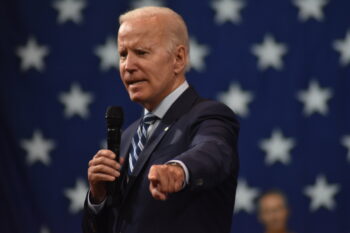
{"x": 282, "y": 65}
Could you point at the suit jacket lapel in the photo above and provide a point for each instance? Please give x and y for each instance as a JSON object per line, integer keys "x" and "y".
{"x": 154, "y": 140}
{"x": 126, "y": 140}
{"x": 145, "y": 154}
{"x": 181, "y": 106}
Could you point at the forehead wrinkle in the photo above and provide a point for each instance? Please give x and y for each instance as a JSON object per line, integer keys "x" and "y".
{"x": 138, "y": 33}
{"x": 137, "y": 43}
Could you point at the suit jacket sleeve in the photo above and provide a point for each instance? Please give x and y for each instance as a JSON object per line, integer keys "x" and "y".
{"x": 212, "y": 156}
{"x": 93, "y": 223}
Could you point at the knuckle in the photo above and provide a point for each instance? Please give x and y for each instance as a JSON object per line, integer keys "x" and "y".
{"x": 152, "y": 169}
{"x": 101, "y": 151}
{"x": 100, "y": 160}
{"x": 93, "y": 168}
{"x": 99, "y": 168}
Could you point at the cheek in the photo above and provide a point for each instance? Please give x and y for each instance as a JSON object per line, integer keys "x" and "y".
{"x": 155, "y": 78}
{"x": 161, "y": 79}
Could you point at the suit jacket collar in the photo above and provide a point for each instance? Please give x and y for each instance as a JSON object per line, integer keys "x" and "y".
{"x": 182, "y": 105}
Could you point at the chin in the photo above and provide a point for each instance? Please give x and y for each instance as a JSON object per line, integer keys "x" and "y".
{"x": 137, "y": 97}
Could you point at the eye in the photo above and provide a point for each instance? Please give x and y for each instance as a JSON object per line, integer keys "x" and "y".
{"x": 123, "y": 54}
{"x": 140, "y": 52}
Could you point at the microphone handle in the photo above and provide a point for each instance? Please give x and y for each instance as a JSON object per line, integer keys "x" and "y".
{"x": 113, "y": 144}
{"x": 113, "y": 141}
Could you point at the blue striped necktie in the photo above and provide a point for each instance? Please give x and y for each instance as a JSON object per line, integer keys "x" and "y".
{"x": 139, "y": 140}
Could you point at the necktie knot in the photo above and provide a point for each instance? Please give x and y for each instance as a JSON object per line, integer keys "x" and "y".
{"x": 149, "y": 119}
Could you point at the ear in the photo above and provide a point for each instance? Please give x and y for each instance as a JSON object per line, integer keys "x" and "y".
{"x": 180, "y": 60}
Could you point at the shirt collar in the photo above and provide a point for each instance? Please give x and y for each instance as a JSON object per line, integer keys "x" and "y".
{"x": 164, "y": 106}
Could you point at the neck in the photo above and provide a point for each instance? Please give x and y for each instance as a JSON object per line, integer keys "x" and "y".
{"x": 150, "y": 106}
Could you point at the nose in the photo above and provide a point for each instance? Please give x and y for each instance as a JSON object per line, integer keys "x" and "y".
{"x": 130, "y": 63}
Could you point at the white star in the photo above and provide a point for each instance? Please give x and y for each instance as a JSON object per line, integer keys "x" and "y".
{"x": 315, "y": 99}
{"x": 197, "y": 54}
{"x": 32, "y": 55}
{"x": 322, "y": 194}
{"x": 310, "y": 9}
{"x": 269, "y": 53}
{"x": 345, "y": 141}
{"x": 69, "y": 10}
{"x": 277, "y": 148}
{"x": 245, "y": 196}
{"x": 44, "y": 229}
{"x": 343, "y": 47}
{"x": 76, "y": 196}
{"x": 76, "y": 102}
{"x": 108, "y": 54}
{"x": 237, "y": 99}
{"x": 227, "y": 10}
{"x": 142, "y": 3}
{"x": 38, "y": 148}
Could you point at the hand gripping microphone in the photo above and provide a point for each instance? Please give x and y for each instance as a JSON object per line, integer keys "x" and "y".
{"x": 114, "y": 120}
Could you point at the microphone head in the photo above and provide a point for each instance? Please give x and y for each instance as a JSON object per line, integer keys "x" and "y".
{"x": 114, "y": 117}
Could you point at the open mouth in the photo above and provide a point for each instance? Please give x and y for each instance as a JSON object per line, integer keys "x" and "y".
{"x": 135, "y": 82}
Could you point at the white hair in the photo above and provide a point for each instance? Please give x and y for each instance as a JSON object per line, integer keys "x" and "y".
{"x": 175, "y": 25}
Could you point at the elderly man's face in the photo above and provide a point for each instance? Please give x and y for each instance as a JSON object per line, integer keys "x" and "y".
{"x": 146, "y": 65}
{"x": 273, "y": 212}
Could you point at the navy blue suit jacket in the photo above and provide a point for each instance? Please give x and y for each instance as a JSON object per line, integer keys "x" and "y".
{"x": 203, "y": 135}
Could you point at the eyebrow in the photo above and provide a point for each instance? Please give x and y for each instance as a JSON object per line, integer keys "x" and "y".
{"x": 140, "y": 47}
{"x": 144, "y": 47}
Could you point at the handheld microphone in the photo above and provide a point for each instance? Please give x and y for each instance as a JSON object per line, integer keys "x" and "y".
{"x": 114, "y": 120}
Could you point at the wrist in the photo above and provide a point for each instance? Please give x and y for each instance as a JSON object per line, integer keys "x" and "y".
{"x": 180, "y": 169}
{"x": 97, "y": 198}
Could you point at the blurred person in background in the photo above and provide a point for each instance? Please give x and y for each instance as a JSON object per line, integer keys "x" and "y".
{"x": 273, "y": 212}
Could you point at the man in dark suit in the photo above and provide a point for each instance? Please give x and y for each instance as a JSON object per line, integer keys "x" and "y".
{"x": 180, "y": 164}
